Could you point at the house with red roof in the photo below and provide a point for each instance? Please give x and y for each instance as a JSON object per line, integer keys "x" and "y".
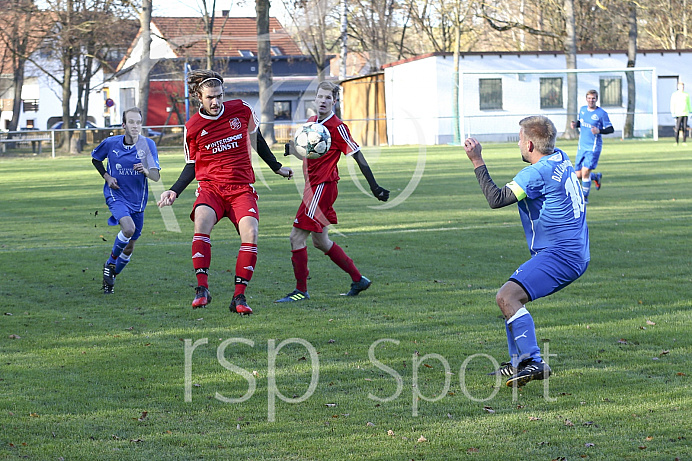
{"x": 179, "y": 44}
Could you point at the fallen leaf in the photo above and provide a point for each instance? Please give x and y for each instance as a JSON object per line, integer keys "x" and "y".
{"x": 8, "y": 313}
{"x": 427, "y": 366}
{"x": 390, "y": 433}
{"x": 370, "y": 424}
{"x": 642, "y": 447}
{"x": 143, "y": 417}
{"x": 622, "y": 341}
{"x": 589, "y": 445}
{"x": 34, "y": 415}
{"x": 568, "y": 423}
{"x": 649, "y": 438}
{"x": 136, "y": 440}
{"x": 422, "y": 439}
{"x": 15, "y": 337}
{"x": 330, "y": 404}
{"x": 649, "y": 322}
{"x": 489, "y": 409}
{"x": 534, "y": 418}
{"x": 397, "y": 248}
{"x": 664, "y": 352}
{"x": 472, "y": 450}
{"x": 331, "y": 341}
{"x": 680, "y": 373}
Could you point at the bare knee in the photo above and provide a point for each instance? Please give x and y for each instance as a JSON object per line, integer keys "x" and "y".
{"x": 321, "y": 242}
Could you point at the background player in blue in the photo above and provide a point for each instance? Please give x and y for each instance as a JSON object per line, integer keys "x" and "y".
{"x": 131, "y": 160}
{"x": 593, "y": 122}
{"x": 552, "y": 211}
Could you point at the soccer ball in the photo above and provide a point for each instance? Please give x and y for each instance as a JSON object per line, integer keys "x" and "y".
{"x": 313, "y": 140}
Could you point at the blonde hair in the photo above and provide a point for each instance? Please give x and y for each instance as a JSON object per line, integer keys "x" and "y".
{"x": 541, "y": 131}
{"x": 325, "y": 85}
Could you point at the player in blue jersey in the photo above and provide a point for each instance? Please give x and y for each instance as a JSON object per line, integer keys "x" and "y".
{"x": 593, "y": 122}
{"x": 132, "y": 159}
{"x": 552, "y": 211}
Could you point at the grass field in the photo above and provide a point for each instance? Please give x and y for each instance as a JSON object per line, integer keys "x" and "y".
{"x": 397, "y": 373}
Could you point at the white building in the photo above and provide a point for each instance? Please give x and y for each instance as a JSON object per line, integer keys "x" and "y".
{"x": 499, "y": 89}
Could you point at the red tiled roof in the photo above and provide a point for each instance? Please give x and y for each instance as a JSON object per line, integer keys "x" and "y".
{"x": 187, "y": 37}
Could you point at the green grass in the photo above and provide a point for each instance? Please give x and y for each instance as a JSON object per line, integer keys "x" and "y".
{"x": 78, "y": 369}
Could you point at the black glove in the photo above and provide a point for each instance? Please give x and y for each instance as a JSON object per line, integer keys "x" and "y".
{"x": 380, "y": 193}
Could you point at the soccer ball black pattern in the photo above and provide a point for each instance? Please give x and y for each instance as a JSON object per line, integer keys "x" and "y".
{"x": 313, "y": 140}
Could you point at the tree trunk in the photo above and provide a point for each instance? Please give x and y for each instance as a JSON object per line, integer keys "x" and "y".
{"x": 571, "y": 63}
{"x": 145, "y": 61}
{"x": 628, "y": 129}
{"x": 264, "y": 72}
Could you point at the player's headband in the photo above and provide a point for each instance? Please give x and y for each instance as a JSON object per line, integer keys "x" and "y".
{"x": 208, "y": 79}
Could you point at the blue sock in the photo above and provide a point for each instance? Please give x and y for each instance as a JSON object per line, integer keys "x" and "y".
{"x": 586, "y": 186}
{"x": 523, "y": 330}
{"x": 511, "y": 345}
{"x": 118, "y": 246}
{"x": 121, "y": 262}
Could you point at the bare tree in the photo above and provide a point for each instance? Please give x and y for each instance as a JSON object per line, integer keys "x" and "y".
{"x": 145, "y": 63}
{"x": 316, "y": 26}
{"x": 665, "y": 24}
{"x": 565, "y": 30}
{"x": 264, "y": 72}
{"x": 18, "y": 39}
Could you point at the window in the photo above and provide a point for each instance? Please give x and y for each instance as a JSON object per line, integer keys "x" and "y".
{"x": 276, "y": 51}
{"x": 127, "y": 98}
{"x": 246, "y": 53}
{"x": 551, "y": 93}
{"x": 611, "y": 91}
{"x": 490, "y": 92}
{"x": 282, "y": 110}
{"x": 30, "y": 105}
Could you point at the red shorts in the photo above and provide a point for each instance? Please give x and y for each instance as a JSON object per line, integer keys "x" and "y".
{"x": 234, "y": 201}
{"x": 315, "y": 211}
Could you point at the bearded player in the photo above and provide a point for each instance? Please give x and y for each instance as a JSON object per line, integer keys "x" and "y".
{"x": 316, "y": 212}
{"x": 218, "y": 141}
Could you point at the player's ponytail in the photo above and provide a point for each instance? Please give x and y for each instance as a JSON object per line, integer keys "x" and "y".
{"x": 199, "y": 79}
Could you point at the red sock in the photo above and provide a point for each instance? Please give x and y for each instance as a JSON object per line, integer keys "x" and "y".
{"x": 201, "y": 258}
{"x": 244, "y": 266}
{"x": 342, "y": 260}
{"x": 299, "y": 258}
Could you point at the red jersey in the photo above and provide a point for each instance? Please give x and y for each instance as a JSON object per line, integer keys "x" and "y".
{"x": 324, "y": 169}
{"x": 220, "y": 146}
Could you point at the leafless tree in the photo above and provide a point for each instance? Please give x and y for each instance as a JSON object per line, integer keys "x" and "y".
{"x": 264, "y": 71}
{"x": 18, "y": 40}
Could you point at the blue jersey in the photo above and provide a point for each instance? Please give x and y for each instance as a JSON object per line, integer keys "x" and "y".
{"x": 592, "y": 118}
{"x": 121, "y": 158}
{"x": 551, "y": 206}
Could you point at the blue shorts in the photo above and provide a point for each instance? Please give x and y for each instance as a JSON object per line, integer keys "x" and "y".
{"x": 547, "y": 272}
{"x": 119, "y": 210}
{"x": 587, "y": 159}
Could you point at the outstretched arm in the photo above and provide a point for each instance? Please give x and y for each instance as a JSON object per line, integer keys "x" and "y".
{"x": 184, "y": 180}
{"x": 265, "y": 153}
{"x": 379, "y": 192}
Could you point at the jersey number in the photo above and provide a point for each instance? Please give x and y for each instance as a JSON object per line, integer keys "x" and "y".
{"x": 574, "y": 192}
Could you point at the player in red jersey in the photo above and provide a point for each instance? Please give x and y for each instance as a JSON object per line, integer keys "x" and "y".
{"x": 315, "y": 212}
{"x": 218, "y": 141}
